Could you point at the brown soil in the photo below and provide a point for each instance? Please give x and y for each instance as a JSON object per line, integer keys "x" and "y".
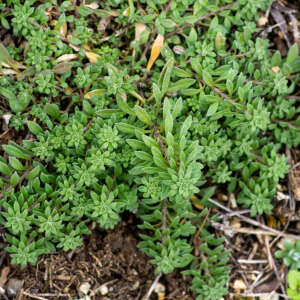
{"x": 108, "y": 258}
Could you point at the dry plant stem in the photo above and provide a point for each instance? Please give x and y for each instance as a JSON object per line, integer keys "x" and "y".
{"x": 272, "y": 263}
{"x": 224, "y": 96}
{"x": 34, "y": 296}
{"x": 235, "y": 213}
{"x": 294, "y": 24}
{"x": 279, "y": 19}
{"x": 206, "y": 16}
{"x": 52, "y": 295}
{"x": 254, "y": 261}
{"x": 291, "y": 198}
{"x": 147, "y": 297}
{"x": 241, "y": 230}
{"x": 255, "y": 223}
{"x": 257, "y": 295}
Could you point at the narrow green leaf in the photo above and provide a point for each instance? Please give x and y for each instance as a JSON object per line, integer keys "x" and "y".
{"x": 34, "y": 127}
{"x": 124, "y": 106}
{"x": 107, "y": 113}
{"x": 157, "y": 95}
{"x": 276, "y": 59}
{"x": 7, "y": 93}
{"x": 14, "y": 151}
{"x": 167, "y": 76}
{"x": 181, "y": 84}
{"x": 144, "y": 156}
{"x": 182, "y": 73}
{"x": 16, "y": 164}
{"x": 177, "y": 108}
{"x": 137, "y": 145}
{"x": 143, "y": 115}
{"x": 212, "y": 109}
{"x": 52, "y": 110}
{"x": 196, "y": 66}
{"x": 33, "y": 173}
{"x": 292, "y": 54}
{"x": 168, "y": 123}
{"x": 14, "y": 179}
{"x": 186, "y": 126}
{"x": 127, "y": 128}
{"x": 4, "y": 168}
{"x": 207, "y": 77}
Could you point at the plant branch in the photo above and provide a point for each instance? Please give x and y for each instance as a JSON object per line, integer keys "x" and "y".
{"x": 206, "y": 16}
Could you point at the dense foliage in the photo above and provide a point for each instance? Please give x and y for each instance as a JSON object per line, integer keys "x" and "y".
{"x": 107, "y": 137}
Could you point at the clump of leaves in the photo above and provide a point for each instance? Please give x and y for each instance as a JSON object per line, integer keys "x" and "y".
{"x": 214, "y": 110}
{"x": 293, "y": 290}
{"x": 290, "y": 254}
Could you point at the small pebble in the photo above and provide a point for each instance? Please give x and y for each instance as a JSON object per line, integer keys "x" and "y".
{"x": 239, "y": 285}
{"x": 159, "y": 288}
{"x": 13, "y": 286}
{"x": 84, "y": 288}
{"x": 103, "y": 289}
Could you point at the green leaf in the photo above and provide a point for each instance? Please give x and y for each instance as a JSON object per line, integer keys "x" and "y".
{"x": 207, "y": 78}
{"x": 177, "y": 108}
{"x": 107, "y": 113}
{"x": 166, "y": 79}
{"x": 127, "y": 128}
{"x": 158, "y": 158}
{"x": 196, "y": 66}
{"x": 135, "y": 144}
{"x": 7, "y": 93}
{"x": 181, "y": 84}
{"x": 52, "y": 110}
{"x": 157, "y": 95}
{"x": 124, "y": 106}
{"x": 144, "y": 156}
{"x": 35, "y": 128}
{"x": 186, "y": 126}
{"x": 14, "y": 151}
{"x": 4, "y": 168}
{"x": 292, "y": 54}
{"x": 14, "y": 179}
{"x": 168, "y": 123}
{"x": 293, "y": 279}
{"x": 143, "y": 115}
{"x": 33, "y": 173}
{"x": 182, "y": 73}
{"x": 4, "y": 55}
{"x": 276, "y": 59}
{"x": 212, "y": 109}
{"x": 16, "y": 164}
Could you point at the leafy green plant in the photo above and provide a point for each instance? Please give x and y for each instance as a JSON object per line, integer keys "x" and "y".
{"x": 290, "y": 254}
{"x": 293, "y": 279}
{"x": 105, "y": 138}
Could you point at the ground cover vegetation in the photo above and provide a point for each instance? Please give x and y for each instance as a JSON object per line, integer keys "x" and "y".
{"x": 106, "y": 129}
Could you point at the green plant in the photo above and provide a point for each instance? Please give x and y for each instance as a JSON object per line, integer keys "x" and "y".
{"x": 290, "y": 254}
{"x": 293, "y": 279}
{"x": 105, "y": 138}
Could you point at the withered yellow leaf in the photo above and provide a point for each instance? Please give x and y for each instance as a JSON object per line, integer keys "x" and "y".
{"x": 93, "y": 5}
{"x": 97, "y": 92}
{"x": 63, "y": 29}
{"x": 155, "y": 51}
{"x": 66, "y": 57}
{"x": 92, "y": 56}
{"x": 139, "y": 28}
